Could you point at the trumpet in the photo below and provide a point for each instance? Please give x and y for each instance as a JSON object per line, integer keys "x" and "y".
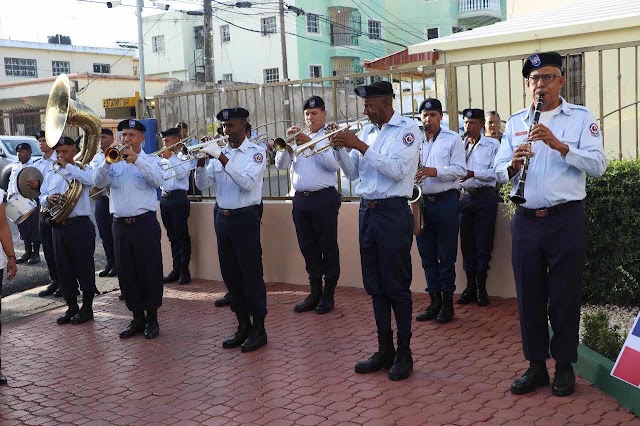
{"x": 281, "y": 144}
{"x": 194, "y": 150}
{"x": 332, "y": 128}
{"x": 114, "y": 154}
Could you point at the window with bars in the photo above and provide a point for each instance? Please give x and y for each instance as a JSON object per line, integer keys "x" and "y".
{"x": 432, "y": 33}
{"x": 20, "y": 67}
{"x": 375, "y": 29}
{"x": 313, "y": 23}
{"x": 271, "y": 75}
{"x": 573, "y": 88}
{"x": 456, "y": 29}
{"x": 315, "y": 71}
{"x": 225, "y": 33}
{"x": 60, "y": 67}
{"x": 102, "y": 68}
{"x": 227, "y": 77}
{"x": 157, "y": 44}
{"x": 268, "y": 25}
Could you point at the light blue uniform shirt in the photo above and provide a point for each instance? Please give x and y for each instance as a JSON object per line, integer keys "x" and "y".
{"x": 446, "y": 154}
{"x": 56, "y": 184}
{"x": 314, "y": 172}
{"x": 239, "y": 183}
{"x": 480, "y": 158}
{"x": 553, "y": 179}
{"x": 133, "y": 186}
{"x": 44, "y": 165}
{"x": 388, "y": 168}
{"x": 176, "y": 177}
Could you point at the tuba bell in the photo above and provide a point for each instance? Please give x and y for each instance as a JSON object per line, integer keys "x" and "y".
{"x": 63, "y": 111}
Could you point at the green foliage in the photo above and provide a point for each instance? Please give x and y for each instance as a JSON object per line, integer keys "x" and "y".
{"x": 505, "y": 193}
{"x": 600, "y": 336}
{"x": 612, "y": 269}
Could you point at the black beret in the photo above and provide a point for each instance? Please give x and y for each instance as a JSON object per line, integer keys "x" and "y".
{"x": 181, "y": 125}
{"x": 23, "y": 145}
{"x": 174, "y": 131}
{"x": 66, "y": 140}
{"x": 430, "y": 104}
{"x": 473, "y": 113}
{"x": 106, "y": 132}
{"x": 314, "y": 102}
{"x": 232, "y": 113}
{"x": 378, "y": 88}
{"x": 131, "y": 124}
{"x": 539, "y": 60}
{"x": 39, "y": 134}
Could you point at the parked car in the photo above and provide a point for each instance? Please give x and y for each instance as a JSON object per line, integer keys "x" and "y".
{"x": 8, "y": 155}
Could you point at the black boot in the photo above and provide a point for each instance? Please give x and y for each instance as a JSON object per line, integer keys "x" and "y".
{"x": 244, "y": 328}
{"x": 51, "y": 288}
{"x": 35, "y": 254}
{"x": 403, "y": 363}
{"x": 446, "y": 313}
{"x": 482, "y": 296}
{"x": 432, "y": 310}
{"x": 223, "y": 301}
{"x": 174, "y": 274}
{"x": 86, "y": 312}
{"x": 72, "y": 310}
{"x": 185, "y": 275}
{"x": 257, "y": 337}
{"x": 382, "y": 359}
{"x": 27, "y": 253}
{"x": 536, "y": 376}
{"x": 469, "y": 294}
{"x": 152, "y": 328}
{"x": 564, "y": 382}
{"x": 312, "y": 300}
{"x": 105, "y": 271}
{"x": 326, "y": 300}
{"x": 136, "y": 326}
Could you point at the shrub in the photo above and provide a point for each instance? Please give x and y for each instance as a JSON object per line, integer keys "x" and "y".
{"x": 600, "y": 336}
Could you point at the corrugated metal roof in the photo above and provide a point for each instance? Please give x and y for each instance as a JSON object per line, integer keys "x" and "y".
{"x": 399, "y": 58}
{"x": 585, "y": 17}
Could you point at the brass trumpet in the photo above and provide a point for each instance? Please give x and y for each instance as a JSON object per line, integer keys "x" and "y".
{"x": 281, "y": 144}
{"x": 114, "y": 154}
{"x": 335, "y": 128}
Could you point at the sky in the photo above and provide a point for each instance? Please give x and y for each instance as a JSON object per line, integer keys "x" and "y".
{"x": 87, "y": 22}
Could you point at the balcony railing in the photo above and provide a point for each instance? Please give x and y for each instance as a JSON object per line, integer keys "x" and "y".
{"x": 473, "y": 8}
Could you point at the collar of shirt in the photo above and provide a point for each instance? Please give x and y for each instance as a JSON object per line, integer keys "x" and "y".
{"x": 564, "y": 108}
{"x": 395, "y": 120}
{"x": 244, "y": 146}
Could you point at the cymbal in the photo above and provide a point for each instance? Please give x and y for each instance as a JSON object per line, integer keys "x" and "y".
{"x": 24, "y": 175}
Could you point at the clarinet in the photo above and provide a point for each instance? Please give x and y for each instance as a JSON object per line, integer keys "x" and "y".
{"x": 518, "y": 197}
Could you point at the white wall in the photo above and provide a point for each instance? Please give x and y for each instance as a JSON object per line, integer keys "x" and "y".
{"x": 518, "y": 8}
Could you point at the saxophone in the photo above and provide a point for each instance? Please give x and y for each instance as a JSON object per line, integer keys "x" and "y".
{"x": 63, "y": 111}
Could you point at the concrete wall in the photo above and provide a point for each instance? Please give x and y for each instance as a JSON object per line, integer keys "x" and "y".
{"x": 283, "y": 262}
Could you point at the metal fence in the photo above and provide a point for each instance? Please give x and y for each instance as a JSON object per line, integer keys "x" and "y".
{"x": 603, "y": 78}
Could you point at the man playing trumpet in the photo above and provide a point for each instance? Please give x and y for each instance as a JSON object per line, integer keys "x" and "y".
{"x": 315, "y": 208}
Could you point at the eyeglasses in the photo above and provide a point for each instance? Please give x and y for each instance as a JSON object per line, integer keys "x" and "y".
{"x": 547, "y": 78}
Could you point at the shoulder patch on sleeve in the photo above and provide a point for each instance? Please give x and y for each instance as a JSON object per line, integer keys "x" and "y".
{"x": 258, "y": 157}
{"x": 408, "y": 139}
{"x": 594, "y": 129}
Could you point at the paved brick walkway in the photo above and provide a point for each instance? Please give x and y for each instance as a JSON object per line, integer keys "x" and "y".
{"x": 87, "y": 375}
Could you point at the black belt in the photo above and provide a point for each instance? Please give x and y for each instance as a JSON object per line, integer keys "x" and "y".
{"x": 235, "y": 212}
{"x": 133, "y": 219}
{"x": 432, "y": 198}
{"x": 384, "y": 203}
{"x": 174, "y": 193}
{"x": 479, "y": 191}
{"x": 548, "y": 211}
{"x": 310, "y": 193}
{"x": 72, "y": 220}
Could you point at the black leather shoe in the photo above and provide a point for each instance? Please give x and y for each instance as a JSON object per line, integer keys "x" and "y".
{"x": 326, "y": 304}
{"x": 446, "y": 313}
{"x": 185, "y": 278}
{"x": 121, "y": 297}
{"x": 135, "y": 327}
{"x": 564, "y": 382}
{"x": 34, "y": 259}
{"x": 536, "y": 376}
{"x": 244, "y": 329}
{"x": 257, "y": 337}
{"x": 58, "y": 293}
{"x": 105, "y": 271}
{"x": 66, "y": 318}
{"x": 311, "y": 301}
{"x": 85, "y": 315}
{"x": 3, "y": 380}
{"x": 482, "y": 296}
{"x": 172, "y": 277}
{"x": 431, "y": 312}
{"x": 51, "y": 288}
{"x": 152, "y": 330}
{"x": 382, "y": 359}
{"x": 467, "y": 296}
{"x": 24, "y": 258}
{"x": 403, "y": 362}
{"x": 223, "y": 301}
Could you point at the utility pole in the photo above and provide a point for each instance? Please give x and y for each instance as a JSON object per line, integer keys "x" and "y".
{"x": 143, "y": 92}
{"x": 285, "y": 67}
{"x": 209, "y": 70}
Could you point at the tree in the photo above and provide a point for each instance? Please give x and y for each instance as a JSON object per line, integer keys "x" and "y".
{"x": 59, "y": 39}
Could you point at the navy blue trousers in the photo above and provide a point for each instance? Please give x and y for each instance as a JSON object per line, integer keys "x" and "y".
{"x": 74, "y": 244}
{"x": 386, "y": 236}
{"x": 30, "y": 228}
{"x": 548, "y": 255}
{"x": 240, "y": 255}
{"x": 174, "y": 210}
{"x": 477, "y": 228}
{"x": 438, "y": 242}
{"x": 315, "y": 215}
{"x": 46, "y": 236}
{"x": 104, "y": 220}
{"x": 139, "y": 260}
